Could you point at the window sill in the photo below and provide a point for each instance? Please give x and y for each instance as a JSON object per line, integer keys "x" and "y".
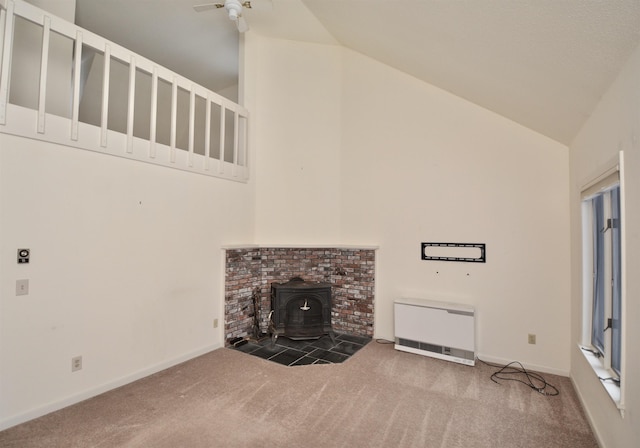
{"x": 613, "y": 389}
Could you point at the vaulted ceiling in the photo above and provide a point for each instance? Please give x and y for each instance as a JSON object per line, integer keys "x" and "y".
{"x": 542, "y": 63}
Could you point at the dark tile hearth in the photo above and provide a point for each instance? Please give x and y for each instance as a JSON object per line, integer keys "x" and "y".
{"x": 300, "y": 353}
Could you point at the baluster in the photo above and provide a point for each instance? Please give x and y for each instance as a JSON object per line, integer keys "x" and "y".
{"x": 174, "y": 118}
{"x": 105, "y": 96}
{"x": 192, "y": 119}
{"x": 6, "y": 60}
{"x": 44, "y": 66}
{"x": 82, "y": 41}
{"x": 234, "y": 170}
{"x": 154, "y": 113}
{"x": 131, "y": 102}
{"x": 244, "y": 145}
{"x": 207, "y": 135}
{"x": 77, "y": 74}
{"x": 223, "y": 113}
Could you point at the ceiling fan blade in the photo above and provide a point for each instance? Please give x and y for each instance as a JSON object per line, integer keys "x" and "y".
{"x": 242, "y": 25}
{"x": 207, "y": 6}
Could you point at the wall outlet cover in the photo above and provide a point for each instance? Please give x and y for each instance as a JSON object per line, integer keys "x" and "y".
{"x": 22, "y": 287}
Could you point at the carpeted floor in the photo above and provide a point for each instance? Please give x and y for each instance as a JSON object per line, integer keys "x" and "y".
{"x": 378, "y": 398}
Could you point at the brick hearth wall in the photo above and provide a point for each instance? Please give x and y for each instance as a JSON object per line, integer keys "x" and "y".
{"x": 249, "y": 271}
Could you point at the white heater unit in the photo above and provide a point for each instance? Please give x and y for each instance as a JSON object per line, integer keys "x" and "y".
{"x": 438, "y": 329}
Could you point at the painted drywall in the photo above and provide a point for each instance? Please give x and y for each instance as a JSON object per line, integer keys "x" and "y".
{"x": 399, "y": 162}
{"x": 386, "y": 160}
{"x": 293, "y": 93}
{"x": 612, "y": 127}
{"x": 424, "y": 166}
{"x": 126, "y": 270}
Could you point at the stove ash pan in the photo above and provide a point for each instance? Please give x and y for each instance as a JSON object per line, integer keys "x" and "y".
{"x": 300, "y": 310}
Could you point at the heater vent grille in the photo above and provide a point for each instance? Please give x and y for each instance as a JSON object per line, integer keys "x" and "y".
{"x": 437, "y": 329}
{"x": 438, "y": 349}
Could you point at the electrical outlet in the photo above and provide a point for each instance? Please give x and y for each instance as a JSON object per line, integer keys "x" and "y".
{"x": 215, "y": 323}
{"x": 76, "y": 363}
{"x": 532, "y": 338}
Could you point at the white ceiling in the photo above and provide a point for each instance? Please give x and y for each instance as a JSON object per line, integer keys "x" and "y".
{"x": 542, "y": 63}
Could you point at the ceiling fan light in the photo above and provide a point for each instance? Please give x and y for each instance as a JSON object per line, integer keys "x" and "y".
{"x": 234, "y": 7}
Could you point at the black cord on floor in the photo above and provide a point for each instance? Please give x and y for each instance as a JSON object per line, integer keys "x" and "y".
{"x": 384, "y": 341}
{"x": 505, "y": 371}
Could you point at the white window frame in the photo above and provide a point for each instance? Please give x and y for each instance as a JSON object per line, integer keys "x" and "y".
{"x": 611, "y": 175}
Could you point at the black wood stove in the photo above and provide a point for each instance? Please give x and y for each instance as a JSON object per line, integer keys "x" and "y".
{"x": 300, "y": 310}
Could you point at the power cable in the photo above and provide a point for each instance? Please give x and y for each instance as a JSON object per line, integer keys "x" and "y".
{"x": 615, "y": 380}
{"x": 510, "y": 373}
{"x": 593, "y": 352}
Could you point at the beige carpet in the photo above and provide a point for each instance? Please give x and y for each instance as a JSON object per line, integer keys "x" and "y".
{"x": 378, "y": 398}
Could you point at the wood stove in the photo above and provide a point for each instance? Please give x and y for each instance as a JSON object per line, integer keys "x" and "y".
{"x": 300, "y": 310}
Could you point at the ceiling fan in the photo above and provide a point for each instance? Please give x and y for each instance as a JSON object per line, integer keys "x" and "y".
{"x": 234, "y": 10}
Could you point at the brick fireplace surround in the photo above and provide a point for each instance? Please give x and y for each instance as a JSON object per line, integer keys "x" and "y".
{"x": 350, "y": 271}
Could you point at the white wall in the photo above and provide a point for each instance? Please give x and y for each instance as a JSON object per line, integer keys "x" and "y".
{"x": 127, "y": 267}
{"x": 613, "y": 126}
{"x": 126, "y": 270}
{"x": 421, "y": 165}
{"x": 293, "y": 92}
{"x": 65, "y": 9}
{"x": 397, "y": 162}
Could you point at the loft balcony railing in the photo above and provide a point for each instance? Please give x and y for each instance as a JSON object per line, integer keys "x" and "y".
{"x": 63, "y": 84}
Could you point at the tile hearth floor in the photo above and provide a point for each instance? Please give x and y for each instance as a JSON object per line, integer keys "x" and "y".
{"x": 299, "y": 353}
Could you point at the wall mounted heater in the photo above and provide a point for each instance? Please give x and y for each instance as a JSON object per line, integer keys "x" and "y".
{"x": 438, "y": 329}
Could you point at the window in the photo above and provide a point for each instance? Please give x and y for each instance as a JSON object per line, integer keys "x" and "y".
{"x": 602, "y": 278}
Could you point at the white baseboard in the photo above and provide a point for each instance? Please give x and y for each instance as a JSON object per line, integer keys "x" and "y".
{"x": 587, "y": 412}
{"x": 528, "y": 366}
{"x": 84, "y": 395}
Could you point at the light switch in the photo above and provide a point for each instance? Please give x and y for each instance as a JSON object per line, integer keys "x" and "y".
{"x": 22, "y": 287}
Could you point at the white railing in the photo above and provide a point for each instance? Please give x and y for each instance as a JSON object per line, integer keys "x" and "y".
{"x": 170, "y": 120}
